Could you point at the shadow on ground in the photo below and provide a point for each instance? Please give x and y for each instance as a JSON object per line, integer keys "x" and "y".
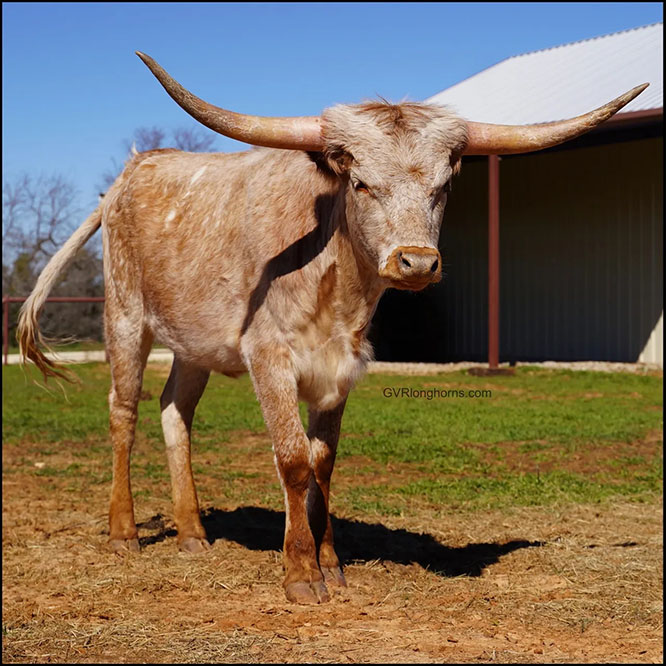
{"x": 263, "y": 529}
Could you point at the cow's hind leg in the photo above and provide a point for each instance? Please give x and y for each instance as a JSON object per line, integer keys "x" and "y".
{"x": 128, "y": 344}
{"x": 179, "y": 399}
{"x": 324, "y": 432}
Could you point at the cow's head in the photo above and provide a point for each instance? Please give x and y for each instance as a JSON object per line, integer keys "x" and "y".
{"x": 396, "y": 163}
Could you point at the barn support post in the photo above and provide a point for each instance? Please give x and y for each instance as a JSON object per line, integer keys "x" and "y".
{"x": 493, "y": 367}
{"x": 493, "y": 261}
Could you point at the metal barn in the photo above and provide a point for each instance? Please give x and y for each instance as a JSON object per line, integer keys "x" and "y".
{"x": 580, "y": 226}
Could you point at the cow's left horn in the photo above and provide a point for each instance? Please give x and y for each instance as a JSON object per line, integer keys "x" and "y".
{"x": 487, "y": 139}
{"x": 300, "y": 133}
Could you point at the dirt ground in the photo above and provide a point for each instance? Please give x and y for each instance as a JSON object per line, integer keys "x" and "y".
{"x": 545, "y": 585}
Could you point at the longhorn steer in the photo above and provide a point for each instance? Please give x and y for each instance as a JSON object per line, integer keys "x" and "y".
{"x": 271, "y": 261}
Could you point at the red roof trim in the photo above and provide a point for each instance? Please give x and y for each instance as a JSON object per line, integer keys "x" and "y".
{"x": 634, "y": 117}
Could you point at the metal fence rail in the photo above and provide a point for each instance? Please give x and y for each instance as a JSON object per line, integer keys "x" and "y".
{"x": 7, "y": 300}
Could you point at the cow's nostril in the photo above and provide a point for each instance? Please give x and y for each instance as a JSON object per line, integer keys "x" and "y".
{"x": 405, "y": 261}
{"x": 435, "y": 266}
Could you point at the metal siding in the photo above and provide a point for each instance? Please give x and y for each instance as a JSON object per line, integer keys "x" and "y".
{"x": 592, "y": 263}
{"x": 464, "y": 246}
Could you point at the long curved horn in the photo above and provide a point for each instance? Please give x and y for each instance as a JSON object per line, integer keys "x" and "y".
{"x": 487, "y": 139}
{"x": 299, "y": 133}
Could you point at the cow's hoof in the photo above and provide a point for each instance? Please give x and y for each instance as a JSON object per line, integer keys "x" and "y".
{"x": 302, "y": 592}
{"x": 333, "y": 576}
{"x": 124, "y": 546}
{"x": 194, "y": 545}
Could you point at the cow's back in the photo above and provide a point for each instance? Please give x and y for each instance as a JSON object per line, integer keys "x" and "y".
{"x": 191, "y": 235}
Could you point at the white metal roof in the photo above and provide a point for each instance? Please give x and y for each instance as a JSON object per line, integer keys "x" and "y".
{"x": 564, "y": 81}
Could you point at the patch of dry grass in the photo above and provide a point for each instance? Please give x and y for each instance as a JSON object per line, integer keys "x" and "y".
{"x": 557, "y": 584}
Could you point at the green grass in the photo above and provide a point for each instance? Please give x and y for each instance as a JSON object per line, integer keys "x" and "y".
{"x": 543, "y": 436}
{"x": 533, "y": 405}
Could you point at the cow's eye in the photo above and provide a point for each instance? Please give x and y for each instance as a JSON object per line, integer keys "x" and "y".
{"x": 438, "y": 193}
{"x": 360, "y": 186}
{"x": 444, "y": 189}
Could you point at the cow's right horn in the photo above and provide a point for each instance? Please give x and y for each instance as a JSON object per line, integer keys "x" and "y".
{"x": 300, "y": 133}
{"x": 487, "y": 139}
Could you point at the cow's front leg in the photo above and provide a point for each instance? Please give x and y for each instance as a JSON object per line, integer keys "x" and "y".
{"x": 275, "y": 385}
{"x": 324, "y": 432}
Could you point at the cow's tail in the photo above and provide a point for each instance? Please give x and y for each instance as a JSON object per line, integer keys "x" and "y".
{"x": 28, "y": 334}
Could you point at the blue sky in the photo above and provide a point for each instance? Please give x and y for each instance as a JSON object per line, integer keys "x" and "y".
{"x": 73, "y": 90}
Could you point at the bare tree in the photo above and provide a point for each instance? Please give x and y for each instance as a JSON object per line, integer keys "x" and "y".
{"x": 145, "y": 138}
{"x": 38, "y": 215}
{"x": 190, "y": 139}
{"x": 193, "y": 140}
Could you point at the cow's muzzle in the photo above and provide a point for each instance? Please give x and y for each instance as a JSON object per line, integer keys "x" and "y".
{"x": 413, "y": 268}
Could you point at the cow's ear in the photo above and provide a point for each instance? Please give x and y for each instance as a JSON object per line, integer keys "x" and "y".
{"x": 456, "y": 163}
{"x": 334, "y": 162}
{"x": 339, "y": 159}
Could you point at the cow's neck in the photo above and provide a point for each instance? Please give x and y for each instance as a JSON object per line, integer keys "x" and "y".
{"x": 331, "y": 349}
{"x": 359, "y": 288}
